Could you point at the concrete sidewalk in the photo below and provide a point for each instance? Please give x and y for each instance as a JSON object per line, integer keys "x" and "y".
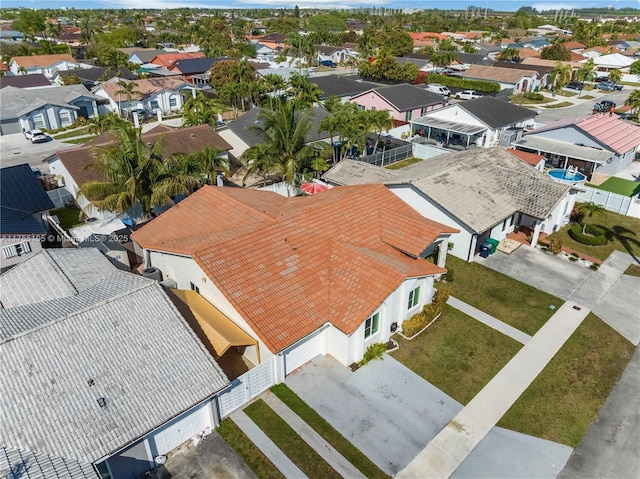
{"x": 490, "y": 321}
{"x": 442, "y": 456}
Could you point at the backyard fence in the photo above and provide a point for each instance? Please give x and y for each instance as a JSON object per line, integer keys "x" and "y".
{"x": 390, "y": 156}
{"x": 425, "y": 151}
{"x": 624, "y": 205}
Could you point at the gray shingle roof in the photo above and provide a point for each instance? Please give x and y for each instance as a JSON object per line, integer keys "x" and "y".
{"x": 479, "y": 187}
{"x": 408, "y": 97}
{"x": 334, "y": 85}
{"x": 497, "y": 113}
{"x": 20, "y": 463}
{"x": 17, "y": 101}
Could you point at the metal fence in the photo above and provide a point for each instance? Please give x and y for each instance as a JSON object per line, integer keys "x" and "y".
{"x": 390, "y": 156}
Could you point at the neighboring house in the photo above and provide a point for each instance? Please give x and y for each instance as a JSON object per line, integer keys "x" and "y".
{"x": 508, "y": 78}
{"x": 26, "y": 82}
{"x": 340, "y": 86}
{"x": 23, "y": 201}
{"x": 168, "y": 60}
{"x": 403, "y": 102}
{"x": 325, "y": 274}
{"x": 468, "y": 59}
{"x": 263, "y": 50}
{"x": 545, "y": 73}
{"x": 101, "y": 370}
{"x": 91, "y": 77}
{"x": 45, "y": 64}
{"x": 47, "y": 108}
{"x": 11, "y": 36}
{"x": 274, "y": 41}
{"x": 540, "y": 62}
{"x": 140, "y": 56}
{"x": 482, "y": 193}
{"x": 165, "y": 94}
{"x": 576, "y": 47}
{"x": 594, "y": 52}
{"x": 598, "y": 145}
{"x": 193, "y": 66}
{"x": 335, "y": 54}
{"x": 613, "y": 61}
{"x": 536, "y": 160}
{"x": 73, "y": 166}
{"x": 492, "y": 50}
{"x": 481, "y": 122}
{"x": 241, "y": 135}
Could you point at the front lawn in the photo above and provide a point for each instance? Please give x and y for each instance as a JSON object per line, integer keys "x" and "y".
{"x": 296, "y": 449}
{"x": 566, "y": 396}
{"x": 70, "y": 134}
{"x": 559, "y": 105}
{"x": 520, "y": 305}
{"x": 623, "y": 232}
{"x": 620, "y": 186}
{"x": 68, "y": 216}
{"x": 457, "y": 354}
{"x": 248, "y": 451}
{"x": 403, "y": 163}
{"x": 633, "y": 270}
{"x": 79, "y": 141}
{"x": 327, "y": 431}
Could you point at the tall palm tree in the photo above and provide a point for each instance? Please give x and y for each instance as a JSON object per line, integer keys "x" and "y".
{"x": 330, "y": 124}
{"x": 100, "y": 125}
{"x": 633, "y": 100}
{"x": 260, "y": 159}
{"x": 615, "y": 75}
{"x": 200, "y": 110}
{"x": 587, "y": 72}
{"x": 589, "y": 210}
{"x": 128, "y": 90}
{"x": 382, "y": 121}
{"x": 209, "y": 162}
{"x": 306, "y": 93}
{"x": 561, "y": 74}
{"x": 242, "y": 73}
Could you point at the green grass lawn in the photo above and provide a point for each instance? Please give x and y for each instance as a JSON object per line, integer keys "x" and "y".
{"x": 248, "y": 451}
{"x": 559, "y": 105}
{"x": 620, "y": 186}
{"x": 72, "y": 133}
{"x": 79, "y": 141}
{"x": 69, "y": 216}
{"x": 633, "y": 270}
{"x": 296, "y": 449}
{"x": 566, "y": 396}
{"x": 457, "y": 354}
{"x": 623, "y": 231}
{"x": 326, "y": 430}
{"x": 587, "y": 97}
{"x": 403, "y": 163}
{"x": 520, "y": 305}
{"x": 520, "y": 99}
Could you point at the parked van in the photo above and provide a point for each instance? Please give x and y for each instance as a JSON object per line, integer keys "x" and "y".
{"x": 437, "y": 88}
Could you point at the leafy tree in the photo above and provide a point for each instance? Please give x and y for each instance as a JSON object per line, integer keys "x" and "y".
{"x": 70, "y": 79}
{"x": 283, "y": 24}
{"x": 615, "y": 75}
{"x": 468, "y": 47}
{"x": 30, "y": 21}
{"x": 556, "y": 52}
{"x": 326, "y": 23}
{"x": 306, "y": 93}
{"x": 386, "y": 68}
{"x": 635, "y": 68}
{"x": 220, "y": 72}
{"x": 442, "y": 58}
{"x": 509, "y": 53}
{"x": 100, "y": 125}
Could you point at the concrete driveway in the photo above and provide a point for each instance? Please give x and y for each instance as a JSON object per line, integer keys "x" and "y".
{"x": 541, "y": 270}
{"x": 619, "y": 308}
{"x": 383, "y": 408}
{"x": 16, "y": 149}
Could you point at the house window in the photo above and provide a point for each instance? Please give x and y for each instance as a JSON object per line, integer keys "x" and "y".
{"x": 414, "y": 298}
{"x": 65, "y": 117}
{"x": 407, "y": 115}
{"x": 361, "y": 107}
{"x": 371, "y": 325}
{"x": 194, "y": 288}
{"x": 373, "y": 108}
{"x": 38, "y": 121}
{"x": 154, "y": 105}
{"x": 424, "y": 110}
{"x": 173, "y": 102}
{"x": 16, "y": 250}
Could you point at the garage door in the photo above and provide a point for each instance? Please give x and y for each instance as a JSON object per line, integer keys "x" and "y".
{"x": 10, "y": 127}
{"x": 182, "y": 430}
{"x": 304, "y": 351}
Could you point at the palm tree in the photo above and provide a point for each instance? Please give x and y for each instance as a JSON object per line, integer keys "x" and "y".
{"x": 99, "y": 125}
{"x": 508, "y": 54}
{"x": 200, "y": 110}
{"x": 382, "y": 121}
{"x": 231, "y": 92}
{"x": 615, "y": 76}
{"x": 306, "y": 93}
{"x": 588, "y": 210}
{"x": 242, "y": 73}
{"x": 209, "y": 162}
{"x": 633, "y": 100}
{"x": 128, "y": 89}
{"x": 275, "y": 84}
{"x": 586, "y": 72}
{"x": 330, "y": 124}
{"x": 260, "y": 159}
{"x": 561, "y": 74}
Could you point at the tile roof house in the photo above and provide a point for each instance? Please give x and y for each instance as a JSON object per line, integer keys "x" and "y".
{"x": 45, "y": 64}
{"x": 140, "y": 55}
{"x": 101, "y": 369}
{"x": 402, "y": 101}
{"x": 44, "y": 108}
{"x": 74, "y": 165}
{"x": 340, "y": 86}
{"x": 168, "y": 60}
{"x": 598, "y": 145}
{"x": 90, "y": 77}
{"x": 482, "y": 193}
{"x": 23, "y": 201}
{"x": 289, "y": 271}
{"x": 273, "y": 40}
{"x": 517, "y": 79}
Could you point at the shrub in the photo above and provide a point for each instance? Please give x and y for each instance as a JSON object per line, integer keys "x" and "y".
{"x": 80, "y": 121}
{"x": 373, "y": 352}
{"x": 478, "y": 85}
{"x": 594, "y": 267}
{"x": 595, "y": 236}
{"x": 555, "y": 245}
{"x": 577, "y": 215}
{"x": 448, "y": 276}
{"x": 534, "y": 96}
{"x": 430, "y": 311}
{"x": 414, "y": 324}
{"x": 573, "y": 258}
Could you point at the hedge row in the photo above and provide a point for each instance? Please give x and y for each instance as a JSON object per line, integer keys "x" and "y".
{"x": 477, "y": 85}
{"x": 429, "y": 313}
{"x": 595, "y": 237}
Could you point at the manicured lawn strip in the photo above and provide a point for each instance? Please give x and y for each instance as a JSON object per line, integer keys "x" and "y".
{"x": 633, "y": 270}
{"x": 566, "y": 396}
{"x": 326, "y": 430}
{"x": 623, "y": 231}
{"x": 402, "y": 164}
{"x": 69, "y": 216}
{"x": 71, "y": 134}
{"x": 515, "y": 303}
{"x": 248, "y": 451}
{"x": 457, "y": 354}
{"x": 620, "y": 186}
{"x": 559, "y": 105}
{"x": 79, "y": 141}
{"x": 300, "y": 453}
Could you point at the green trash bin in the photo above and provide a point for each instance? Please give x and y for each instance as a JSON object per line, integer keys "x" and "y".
{"x": 494, "y": 245}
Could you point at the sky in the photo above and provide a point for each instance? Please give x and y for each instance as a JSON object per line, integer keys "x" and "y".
{"x": 502, "y": 5}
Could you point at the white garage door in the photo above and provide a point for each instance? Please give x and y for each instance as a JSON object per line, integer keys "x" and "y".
{"x": 182, "y": 430}
{"x": 305, "y": 351}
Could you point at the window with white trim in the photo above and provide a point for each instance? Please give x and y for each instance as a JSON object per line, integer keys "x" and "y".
{"x": 414, "y": 298}
{"x": 371, "y": 325}
{"x": 408, "y": 115}
{"x": 154, "y": 104}
{"x": 65, "y": 117}
{"x": 16, "y": 250}
{"x": 38, "y": 121}
{"x": 173, "y": 102}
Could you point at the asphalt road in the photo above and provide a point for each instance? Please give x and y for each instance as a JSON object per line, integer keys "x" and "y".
{"x": 549, "y": 115}
{"x": 16, "y": 149}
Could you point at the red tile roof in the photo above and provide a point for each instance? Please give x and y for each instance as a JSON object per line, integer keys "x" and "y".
{"x": 290, "y": 265}
{"x": 43, "y": 60}
{"x": 167, "y": 60}
{"x": 531, "y": 158}
{"x": 615, "y": 133}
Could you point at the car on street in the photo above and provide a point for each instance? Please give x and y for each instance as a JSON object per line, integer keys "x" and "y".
{"x": 328, "y": 63}
{"x": 468, "y": 95}
{"x": 36, "y": 136}
{"x": 575, "y": 85}
{"x": 608, "y": 86}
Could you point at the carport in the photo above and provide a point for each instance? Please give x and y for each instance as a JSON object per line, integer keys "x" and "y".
{"x": 222, "y": 337}
{"x": 424, "y": 126}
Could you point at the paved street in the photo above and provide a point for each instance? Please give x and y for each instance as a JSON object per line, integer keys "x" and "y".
{"x": 583, "y": 107}
{"x": 16, "y": 149}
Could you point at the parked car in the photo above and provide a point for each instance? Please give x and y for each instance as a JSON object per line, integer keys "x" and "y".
{"x": 468, "y": 95}
{"x": 575, "y": 85}
{"x": 328, "y": 63}
{"x": 608, "y": 86}
{"x": 36, "y": 136}
{"x": 437, "y": 88}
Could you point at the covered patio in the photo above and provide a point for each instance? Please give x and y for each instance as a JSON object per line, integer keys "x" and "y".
{"x": 224, "y": 339}
{"x": 434, "y": 130}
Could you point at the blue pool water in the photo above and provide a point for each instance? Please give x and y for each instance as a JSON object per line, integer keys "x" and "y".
{"x": 566, "y": 175}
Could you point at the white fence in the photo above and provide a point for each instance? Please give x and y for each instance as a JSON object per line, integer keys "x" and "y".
{"x": 624, "y": 205}
{"x": 424, "y": 151}
{"x": 246, "y": 387}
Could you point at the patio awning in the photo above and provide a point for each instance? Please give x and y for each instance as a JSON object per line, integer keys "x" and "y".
{"x": 556, "y": 147}
{"x": 207, "y": 320}
{"x": 449, "y": 125}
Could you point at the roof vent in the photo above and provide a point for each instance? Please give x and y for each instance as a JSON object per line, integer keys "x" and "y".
{"x": 192, "y": 135}
{"x": 91, "y": 382}
{"x": 102, "y": 402}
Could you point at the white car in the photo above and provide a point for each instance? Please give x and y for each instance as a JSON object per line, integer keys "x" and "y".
{"x": 468, "y": 95}
{"x": 36, "y": 136}
{"x": 437, "y": 88}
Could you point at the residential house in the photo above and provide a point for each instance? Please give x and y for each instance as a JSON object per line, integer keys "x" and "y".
{"x": 334, "y": 54}
{"x": 576, "y": 47}
{"x": 11, "y": 36}
{"x": 140, "y": 56}
{"x": 168, "y": 60}
{"x": 275, "y": 41}
{"x": 102, "y": 372}
{"x": 492, "y": 50}
{"x": 594, "y": 52}
{"x": 45, "y": 64}
{"x": 73, "y": 166}
{"x": 325, "y": 274}
{"x": 91, "y": 77}
{"x": 545, "y": 73}
{"x": 482, "y": 122}
{"x": 403, "y": 101}
{"x": 468, "y": 59}
{"x": 597, "y": 145}
{"x": 340, "y": 86}
{"x": 613, "y": 61}
{"x": 518, "y": 80}
{"x": 541, "y": 62}
{"x": 164, "y": 94}
{"x": 23, "y": 202}
{"x": 193, "y": 66}
{"x": 27, "y": 82}
{"x": 482, "y": 193}
{"x": 47, "y": 108}
{"x": 536, "y": 160}
{"x": 263, "y": 50}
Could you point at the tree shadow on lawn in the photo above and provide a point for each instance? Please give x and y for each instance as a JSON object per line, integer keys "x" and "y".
{"x": 624, "y": 236}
